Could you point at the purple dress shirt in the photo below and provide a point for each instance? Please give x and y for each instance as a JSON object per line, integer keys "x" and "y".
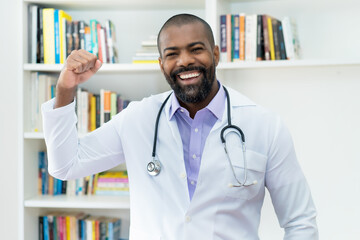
{"x": 195, "y": 131}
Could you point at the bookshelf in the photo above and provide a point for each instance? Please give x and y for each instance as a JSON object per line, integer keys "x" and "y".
{"x": 315, "y": 28}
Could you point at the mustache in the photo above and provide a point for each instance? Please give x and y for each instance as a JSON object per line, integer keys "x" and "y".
{"x": 186, "y": 69}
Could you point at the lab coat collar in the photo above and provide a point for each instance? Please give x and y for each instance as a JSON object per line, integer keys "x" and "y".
{"x": 236, "y": 100}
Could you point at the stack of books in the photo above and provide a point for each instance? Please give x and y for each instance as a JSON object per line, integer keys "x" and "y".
{"x": 148, "y": 53}
{"x": 257, "y": 37}
{"x": 78, "y": 226}
{"x": 112, "y": 183}
{"x": 53, "y": 34}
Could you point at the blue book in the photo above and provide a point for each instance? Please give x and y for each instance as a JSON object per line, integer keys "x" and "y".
{"x": 42, "y": 171}
{"x": 223, "y": 50}
{"x": 46, "y": 228}
{"x": 236, "y": 36}
{"x": 57, "y": 35}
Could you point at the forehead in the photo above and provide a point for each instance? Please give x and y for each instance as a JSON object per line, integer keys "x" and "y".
{"x": 177, "y": 36}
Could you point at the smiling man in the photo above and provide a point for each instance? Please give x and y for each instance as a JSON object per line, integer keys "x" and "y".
{"x": 183, "y": 183}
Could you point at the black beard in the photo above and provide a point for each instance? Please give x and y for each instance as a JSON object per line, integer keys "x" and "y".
{"x": 193, "y": 93}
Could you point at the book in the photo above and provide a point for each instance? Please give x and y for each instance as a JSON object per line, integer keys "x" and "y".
{"x": 49, "y": 35}
{"x": 100, "y": 43}
{"x": 250, "y": 37}
{"x": 288, "y": 38}
{"x": 242, "y": 36}
{"x": 57, "y": 35}
{"x": 64, "y": 19}
{"x": 223, "y": 41}
{"x": 235, "y": 37}
{"x": 260, "y": 39}
{"x": 281, "y": 42}
{"x": 266, "y": 38}
{"x": 94, "y": 37}
{"x": 32, "y": 34}
{"x": 228, "y": 38}
{"x": 271, "y": 38}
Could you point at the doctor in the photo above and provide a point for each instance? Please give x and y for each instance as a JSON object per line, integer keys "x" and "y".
{"x": 199, "y": 190}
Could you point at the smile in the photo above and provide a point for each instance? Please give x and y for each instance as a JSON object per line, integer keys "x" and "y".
{"x": 185, "y": 76}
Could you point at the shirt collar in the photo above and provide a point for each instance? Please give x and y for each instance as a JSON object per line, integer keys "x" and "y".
{"x": 216, "y": 106}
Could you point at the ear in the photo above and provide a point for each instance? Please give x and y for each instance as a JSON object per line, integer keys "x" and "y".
{"x": 216, "y": 53}
{"x": 161, "y": 65}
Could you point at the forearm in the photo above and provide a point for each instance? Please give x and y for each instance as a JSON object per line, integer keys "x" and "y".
{"x": 64, "y": 96}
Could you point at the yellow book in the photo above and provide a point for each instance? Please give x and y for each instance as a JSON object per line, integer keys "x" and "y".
{"x": 145, "y": 61}
{"x": 271, "y": 39}
{"x": 48, "y": 36}
{"x": 92, "y": 113}
{"x": 63, "y": 18}
{"x": 68, "y": 227}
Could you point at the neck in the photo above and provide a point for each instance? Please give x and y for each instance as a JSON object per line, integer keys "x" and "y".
{"x": 193, "y": 108}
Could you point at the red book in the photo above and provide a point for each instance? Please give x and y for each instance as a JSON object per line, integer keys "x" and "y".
{"x": 98, "y": 27}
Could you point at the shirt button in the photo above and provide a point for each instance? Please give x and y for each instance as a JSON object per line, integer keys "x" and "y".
{"x": 187, "y": 218}
{"x": 196, "y": 129}
{"x": 194, "y": 156}
{"x": 192, "y": 182}
{"x": 183, "y": 175}
{"x": 181, "y": 110}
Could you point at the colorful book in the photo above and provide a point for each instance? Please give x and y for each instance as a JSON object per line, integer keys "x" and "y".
{"x": 271, "y": 38}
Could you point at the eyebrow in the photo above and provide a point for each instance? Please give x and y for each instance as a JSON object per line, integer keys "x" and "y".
{"x": 188, "y": 46}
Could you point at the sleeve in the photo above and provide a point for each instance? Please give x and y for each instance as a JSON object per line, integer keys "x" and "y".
{"x": 71, "y": 157}
{"x": 289, "y": 191}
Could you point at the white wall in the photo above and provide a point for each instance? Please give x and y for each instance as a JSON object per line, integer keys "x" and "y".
{"x": 10, "y": 70}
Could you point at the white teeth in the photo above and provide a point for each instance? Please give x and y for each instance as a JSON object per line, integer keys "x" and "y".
{"x": 187, "y": 76}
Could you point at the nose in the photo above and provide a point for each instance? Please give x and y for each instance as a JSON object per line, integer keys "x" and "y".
{"x": 185, "y": 59}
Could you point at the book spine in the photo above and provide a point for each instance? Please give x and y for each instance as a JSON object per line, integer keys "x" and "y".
{"x": 69, "y": 38}
{"x": 109, "y": 41}
{"x": 33, "y": 17}
{"x": 94, "y": 38}
{"x": 40, "y": 36}
{"x": 242, "y": 36}
{"x": 271, "y": 39}
{"x": 75, "y": 34}
{"x": 236, "y": 37}
{"x": 100, "y": 45}
{"x": 107, "y": 106}
{"x": 266, "y": 38}
{"x": 41, "y": 228}
{"x": 48, "y": 35}
{"x": 250, "y": 37}
{"x": 82, "y": 34}
{"x": 275, "y": 27}
{"x": 260, "y": 39}
{"x": 46, "y": 228}
{"x": 57, "y": 35}
{"x": 88, "y": 39}
{"x": 281, "y": 42}
{"x": 93, "y": 113}
{"x": 98, "y": 106}
{"x": 113, "y": 109}
{"x": 288, "y": 38}
{"x": 228, "y": 37}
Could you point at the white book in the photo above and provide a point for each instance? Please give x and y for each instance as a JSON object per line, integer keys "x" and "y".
{"x": 33, "y": 33}
{"x": 250, "y": 37}
{"x": 102, "y": 119}
{"x": 103, "y": 45}
{"x": 288, "y": 38}
{"x": 109, "y": 41}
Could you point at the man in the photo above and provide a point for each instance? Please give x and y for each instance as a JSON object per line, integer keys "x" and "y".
{"x": 199, "y": 193}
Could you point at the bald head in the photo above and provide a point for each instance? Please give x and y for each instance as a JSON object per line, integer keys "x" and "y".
{"x": 183, "y": 19}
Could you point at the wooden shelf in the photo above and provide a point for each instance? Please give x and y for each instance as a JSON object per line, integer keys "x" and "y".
{"x": 82, "y": 202}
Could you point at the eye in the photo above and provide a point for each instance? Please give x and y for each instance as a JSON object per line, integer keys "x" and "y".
{"x": 170, "y": 54}
{"x": 197, "y": 49}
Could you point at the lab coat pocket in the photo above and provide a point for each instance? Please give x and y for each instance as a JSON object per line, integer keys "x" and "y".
{"x": 255, "y": 170}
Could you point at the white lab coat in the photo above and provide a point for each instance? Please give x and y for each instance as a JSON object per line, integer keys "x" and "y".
{"x": 160, "y": 206}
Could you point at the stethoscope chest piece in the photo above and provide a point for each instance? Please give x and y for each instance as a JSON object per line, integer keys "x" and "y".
{"x": 154, "y": 167}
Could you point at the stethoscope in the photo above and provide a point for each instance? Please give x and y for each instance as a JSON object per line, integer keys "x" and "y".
{"x": 154, "y": 167}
